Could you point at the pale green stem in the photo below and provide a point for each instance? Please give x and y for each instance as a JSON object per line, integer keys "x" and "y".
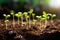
{"x": 22, "y": 21}
{"x": 27, "y": 20}
{"x": 52, "y": 23}
{"x": 18, "y": 21}
{"x": 13, "y": 21}
{"x": 6, "y": 23}
{"x": 33, "y": 18}
{"x": 6, "y": 26}
{"x": 29, "y": 23}
{"x": 45, "y": 23}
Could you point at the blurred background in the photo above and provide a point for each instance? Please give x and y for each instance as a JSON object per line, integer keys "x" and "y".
{"x": 50, "y": 6}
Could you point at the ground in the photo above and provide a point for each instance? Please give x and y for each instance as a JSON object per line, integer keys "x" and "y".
{"x": 51, "y": 32}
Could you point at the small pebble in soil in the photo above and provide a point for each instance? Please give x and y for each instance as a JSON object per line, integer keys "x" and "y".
{"x": 19, "y": 37}
{"x": 10, "y": 35}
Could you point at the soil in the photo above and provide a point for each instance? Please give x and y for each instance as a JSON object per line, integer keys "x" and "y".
{"x": 51, "y": 32}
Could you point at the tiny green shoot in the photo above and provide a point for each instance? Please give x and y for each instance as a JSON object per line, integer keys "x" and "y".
{"x": 6, "y": 19}
{"x": 39, "y": 19}
{"x": 25, "y": 14}
{"x": 30, "y": 13}
{"x": 46, "y": 17}
{"x": 52, "y": 17}
{"x": 12, "y": 13}
{"x": 33, "y": 15}
{"x": 18, "y": 15}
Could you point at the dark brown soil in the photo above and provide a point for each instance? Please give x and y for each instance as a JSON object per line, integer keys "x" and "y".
{"x": 51, "y": 32}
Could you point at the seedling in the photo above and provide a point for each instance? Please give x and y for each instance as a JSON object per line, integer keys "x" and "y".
{"x": 12, "y": 13}
{"x": 26, "y": 15}
{"x": 18, "y": 15}
{"x": 46, "y": 17}
{"x": 30, "y": 13}
{"x": 33, "y": 15}
{"x": 52, "y": 17}
{"x": 21, "y": 18}
{"x": 6, "y": 19}
{"x": 34, "y": 22}
{"x": 39, "y": 19}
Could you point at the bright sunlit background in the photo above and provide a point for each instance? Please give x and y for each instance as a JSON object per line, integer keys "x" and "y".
{"x": 55, "y": 3}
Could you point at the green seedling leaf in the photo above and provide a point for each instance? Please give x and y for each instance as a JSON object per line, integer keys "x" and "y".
{"x": 45, "y": 15}
{"x": 12, "y": 12}
{"x": 52, "y": 15}
{"x": 20, "y": 13}
{"x": 38, "y": 17}
{"x": 6, "y": 21}
{"x": 31, "y": 11}
{"x": 25, "y": 14}
{"x": 33, "y": 15}
{"x": 6, "y": 16}
{"x": 16, "y": 15}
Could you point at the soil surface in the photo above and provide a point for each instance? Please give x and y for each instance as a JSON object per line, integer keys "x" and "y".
{"x": 51, "y": 32}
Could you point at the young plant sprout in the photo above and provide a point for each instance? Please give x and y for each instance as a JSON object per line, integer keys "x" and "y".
{"x": 52, "y": 17}
{"x": 46, "y": 17}
{"x": 33, "y": 15}
{"x": 25, "y": 14}
{"x": 21, "y": 17}
{"x": 27, "y": 17}
{"x": 30, "y": 13}
{"x": 18, "y": 15}
{"x": 12, "y": 13}
{"x": 6, "y": 19}
{"x": 34, "y": 22}
{"x": 39, "y": 19}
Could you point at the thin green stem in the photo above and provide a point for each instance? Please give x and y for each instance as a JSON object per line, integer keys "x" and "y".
{"x": 33, "y": 18}
{"x": 29, "y": 23}
{"x": 45, "y": 23}
{"x": 18, "y": 21}
{"x": 6, "y": 26}
{"x": 13, "y": 21}
{"x": 22, "y": 21}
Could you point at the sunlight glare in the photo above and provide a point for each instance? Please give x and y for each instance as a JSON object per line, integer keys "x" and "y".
{"x": 55, "y": 3}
